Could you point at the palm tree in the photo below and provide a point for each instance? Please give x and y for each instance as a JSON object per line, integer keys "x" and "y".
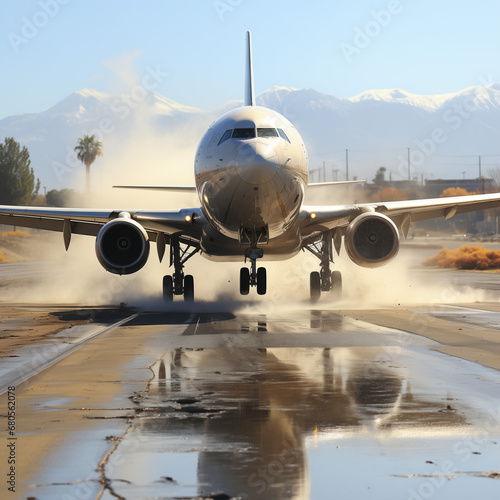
{"x": 89, "y": 148}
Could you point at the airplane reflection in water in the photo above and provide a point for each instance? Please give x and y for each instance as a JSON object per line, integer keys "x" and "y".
{"x": 242, "y": 420}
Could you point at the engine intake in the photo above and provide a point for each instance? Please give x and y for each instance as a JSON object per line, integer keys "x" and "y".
{"x": 122, "y": 246}
{"x": 372, "y": 240}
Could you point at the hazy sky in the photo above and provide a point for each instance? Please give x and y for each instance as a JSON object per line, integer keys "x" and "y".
{"x": 51, "y": 48}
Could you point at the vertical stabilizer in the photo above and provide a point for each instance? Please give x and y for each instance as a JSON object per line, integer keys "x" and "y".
{"x": 249, "y": 92}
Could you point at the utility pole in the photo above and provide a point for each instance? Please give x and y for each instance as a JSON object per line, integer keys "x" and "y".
{"x": 480, "y": 176}
{"x": 346, "y": 164}
{"x": 409, "y": 178}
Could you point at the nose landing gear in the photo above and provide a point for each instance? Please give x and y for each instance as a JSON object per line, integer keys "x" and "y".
{"x": 253, "y": 276}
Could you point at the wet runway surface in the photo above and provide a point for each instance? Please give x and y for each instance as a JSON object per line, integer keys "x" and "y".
{"x": 309, "y": 402}
{"x": 309, "y": 423}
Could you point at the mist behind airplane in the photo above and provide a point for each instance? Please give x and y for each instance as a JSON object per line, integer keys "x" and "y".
{"x": 251, "y": 171}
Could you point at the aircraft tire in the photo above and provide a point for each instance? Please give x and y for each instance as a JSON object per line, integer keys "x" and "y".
{"x": 336, "y": 284}
{"x": 261, "y": 281}
{"x": 244, "y": 281}
{"x": 168, "y": 288}
{"x": 315, "y": 286}
{"x": 188, "y": 288}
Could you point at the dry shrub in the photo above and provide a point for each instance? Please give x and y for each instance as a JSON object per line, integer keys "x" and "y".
{"x": 456, "y": 191}
{"x": 15, "y": 234}
{"x": 465, "y": 258}
{"x": 390, "y": 194}
{"x": 3, "y": 258}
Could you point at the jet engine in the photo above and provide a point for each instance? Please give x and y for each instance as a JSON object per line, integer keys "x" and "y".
{"x": 122, "y": 246}
{"x": 372, "y": 240}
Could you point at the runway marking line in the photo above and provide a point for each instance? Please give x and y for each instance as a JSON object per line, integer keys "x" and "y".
{"x": 31, "y": 372}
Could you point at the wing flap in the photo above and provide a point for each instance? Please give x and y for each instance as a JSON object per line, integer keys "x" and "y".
{"x": 439, "y": 207}
{"x": 172, "y": 189}
{"x": 84, "y": 228}
{"x": 334, "y": 183}
{"x": 320, "y": 219}
{"x": 88, "y": 222}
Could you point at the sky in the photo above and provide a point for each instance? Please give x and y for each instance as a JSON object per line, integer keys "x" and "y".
{"x": 195, "y": 48}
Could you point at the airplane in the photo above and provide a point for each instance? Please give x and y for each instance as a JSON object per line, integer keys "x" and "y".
{"x": 251, "y": 176}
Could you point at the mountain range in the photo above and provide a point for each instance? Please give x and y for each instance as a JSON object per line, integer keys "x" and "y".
{"x": 445, "y": 133}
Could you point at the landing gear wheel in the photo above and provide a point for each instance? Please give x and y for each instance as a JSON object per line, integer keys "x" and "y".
{"x": 168, "y": 289}
{"x": 315, "y": 286}
{"x": 336, "y": 284}
{"x": 244, "y": 281}
{"x": 261, "y": 281}
{"x": 188, "y": 288}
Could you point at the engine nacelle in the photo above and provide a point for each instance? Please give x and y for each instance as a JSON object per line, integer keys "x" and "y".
{"x": 122, "y": 246}
{"x": 372, "y": 240}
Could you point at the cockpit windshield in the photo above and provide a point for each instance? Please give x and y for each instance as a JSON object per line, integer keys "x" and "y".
{"x": 283, "y": 135}
{"x": 267, "y": 132}
{"x": 225, "y": 137}
{"x": 249, "y": 133}
{"x": 243, "y": 133}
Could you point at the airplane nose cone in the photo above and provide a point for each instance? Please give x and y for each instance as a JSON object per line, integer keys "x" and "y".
{"x": 256, "y": 163}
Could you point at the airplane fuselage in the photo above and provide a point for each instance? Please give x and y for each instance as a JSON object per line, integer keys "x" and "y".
{"x": 251, "y": 174}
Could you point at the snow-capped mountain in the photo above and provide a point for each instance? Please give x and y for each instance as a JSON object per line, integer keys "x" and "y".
{"x": 445, "y": 133}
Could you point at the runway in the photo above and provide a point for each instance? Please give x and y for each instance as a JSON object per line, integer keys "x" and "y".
{"x": 305, "y": 402}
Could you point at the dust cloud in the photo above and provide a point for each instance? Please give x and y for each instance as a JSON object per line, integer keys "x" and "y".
{"x": 76, "y": 277}
{"x": 137, "y": 149}
{"x": 141, "y": 150}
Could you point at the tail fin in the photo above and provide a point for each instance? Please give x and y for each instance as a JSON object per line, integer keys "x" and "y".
{"x": 249, "y": 92}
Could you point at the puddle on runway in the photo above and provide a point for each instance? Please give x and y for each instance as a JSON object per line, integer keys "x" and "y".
{"x": 311, "y": 423}
{"x": 468, "y": 315}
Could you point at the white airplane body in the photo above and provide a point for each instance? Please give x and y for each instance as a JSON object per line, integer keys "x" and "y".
{"x": 251, "y": 176}
{"x": 251, "y": 173}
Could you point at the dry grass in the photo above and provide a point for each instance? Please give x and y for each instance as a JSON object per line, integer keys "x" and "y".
{"x": 467, "y": 258}
{"x": 15, "y": 234}
{"x": 3, "y": 258}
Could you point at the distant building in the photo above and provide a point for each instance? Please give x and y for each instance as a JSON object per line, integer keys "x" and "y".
{"x": 434, "y": 188}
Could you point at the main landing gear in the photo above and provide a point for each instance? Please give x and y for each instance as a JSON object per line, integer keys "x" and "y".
{"x": 253, "y": 276}
{"x": 178, "y": 283}
{"x": 324, "y": 280}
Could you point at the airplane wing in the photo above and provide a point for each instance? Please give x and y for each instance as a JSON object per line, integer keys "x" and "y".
{"x": 334, "y": 183}
{"x": 172, "y": 189}
{"x": 89, "y": 221}
{"x": 322, "y": 218}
